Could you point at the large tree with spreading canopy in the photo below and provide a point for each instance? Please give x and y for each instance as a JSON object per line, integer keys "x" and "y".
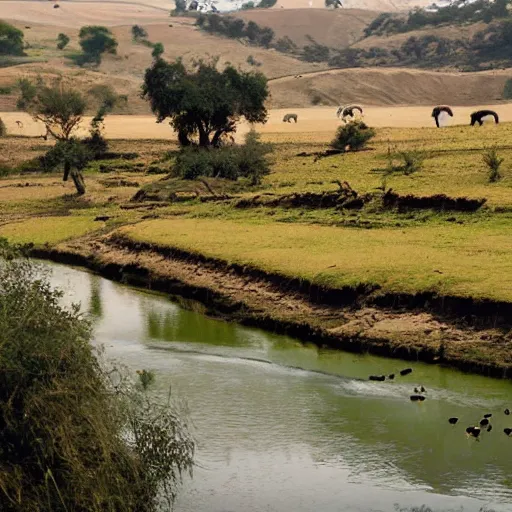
{"x": 204, "y": 103}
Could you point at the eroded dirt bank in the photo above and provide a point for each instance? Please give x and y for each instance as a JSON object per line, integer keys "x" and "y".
{"x": 427, "y": 328}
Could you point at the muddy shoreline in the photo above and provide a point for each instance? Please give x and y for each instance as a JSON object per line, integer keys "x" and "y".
{"x": 473, "y": 336}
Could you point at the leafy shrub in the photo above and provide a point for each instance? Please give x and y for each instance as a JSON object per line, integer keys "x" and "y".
{"x": 285, "y": 45}
{"x": 158, "y": 50}
{"x": 253, "y": 62}
{"x": 95, "y": 41}
{"x": 28, "y": 92}
{"x": 76, "y": 434}
{"x": 266, "y": 4}
{"x": 493, "y": 162}
{"x": 352, "y": 136}
{"x": 11, "y": 40}
{"x": 5, "y": 90}
{"x": 315, "y": 53}
{"x": 246, "y": 161}
{"x": 62, "y": 41}
{"x": 5, "y": 170}
{"x": 138, "y": 33}
{"x": 235, "y": 28}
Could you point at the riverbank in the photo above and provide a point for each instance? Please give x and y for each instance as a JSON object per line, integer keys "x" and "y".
{"x": 419, "y": 268}
{"x": 422, "y": 328}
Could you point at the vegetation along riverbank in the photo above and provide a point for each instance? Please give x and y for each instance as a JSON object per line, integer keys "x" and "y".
{"x": 355, "y": 251}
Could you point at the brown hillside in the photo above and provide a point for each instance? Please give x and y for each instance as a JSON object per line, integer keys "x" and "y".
{"x": 334, "y": 28}
{"x": 77, "y": 14}
{"x": 397, "y": 86}
{"x": 372, "y": 5}
{"x": 453, "y": 32}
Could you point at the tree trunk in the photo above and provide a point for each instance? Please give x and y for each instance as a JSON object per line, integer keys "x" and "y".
{"x": 183, "y": 138}
{"x": 216, "y": 138}
{"x": 204, "y": 138}
{"x": 67, "y": 168}
{"x": 78, "y": 180}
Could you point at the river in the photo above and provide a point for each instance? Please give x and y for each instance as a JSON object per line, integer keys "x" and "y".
{"x": 282, "y": 426}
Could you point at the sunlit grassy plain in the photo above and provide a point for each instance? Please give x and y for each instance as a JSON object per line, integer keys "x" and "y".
{"x": 468, "y": 254}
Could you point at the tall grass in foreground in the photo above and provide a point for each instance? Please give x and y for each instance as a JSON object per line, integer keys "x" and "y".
{"x": 73, "y": 434}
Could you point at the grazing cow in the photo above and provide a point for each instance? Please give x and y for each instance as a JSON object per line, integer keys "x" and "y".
{"x": 20, "y": 124}
{"x": 436, "y": 112}
{"x": 348, "y": 111}
{"x": 288, "y": 118}
{"x": 476, "y": 117}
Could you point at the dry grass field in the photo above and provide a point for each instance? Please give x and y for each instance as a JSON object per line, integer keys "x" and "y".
{"x": 334, "y": 28}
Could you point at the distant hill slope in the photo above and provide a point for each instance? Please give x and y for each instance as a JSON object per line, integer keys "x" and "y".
{"x": 393, "y": 86}
{"x": 314, "y": 85}
{"x": 372, "y": 5}
{"x": 335, "y": 28}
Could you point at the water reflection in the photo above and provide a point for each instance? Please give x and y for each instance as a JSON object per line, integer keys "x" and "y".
{"x": 95, "y": 301}
{"x": 273, "y": 436}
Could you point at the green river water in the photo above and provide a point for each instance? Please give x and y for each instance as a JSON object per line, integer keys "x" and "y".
{"x": 283, "y": 426}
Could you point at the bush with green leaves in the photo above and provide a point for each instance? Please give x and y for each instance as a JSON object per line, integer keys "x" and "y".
{"x": 62, "y": 41}
{"x": 138, "y": 33}
{"x": 96, "y": 41}
{"x": 28, "y": 93}
{"x": 493, "y": 163}
{"x": 76, "y": 433}
{"x": 158, "y": 50}
{"x": 352, "y": 136}
{"x": 11, "y": 40}
{"x": 235, "y": 28}
{"x": 230, "y": 162}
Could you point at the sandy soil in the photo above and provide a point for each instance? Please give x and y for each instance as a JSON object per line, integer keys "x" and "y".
{"x": 336, "y": 29}
{"x": 311, "y": 120}
{"x": 77, "y": 14}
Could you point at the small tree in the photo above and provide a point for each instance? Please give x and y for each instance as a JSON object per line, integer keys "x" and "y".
{"x": 28, "y": 92}
{"x": 11, "y": 40}
{"x": 493, "y": 162}
{"x": 352, "y": 137}
{"x": 62, "y": 41}
{"x": 158, "y": 50}
{"x": 206, "y": 103}
{"x": 180, "y": 7}
{"x": 74, "y": 155}
{"x": 61, "y": 110}
{"x": 95, "y": 41}
{"x": 139, "y": 33}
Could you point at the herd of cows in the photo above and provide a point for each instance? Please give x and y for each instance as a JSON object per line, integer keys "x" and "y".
{"x": 349, "y": 113}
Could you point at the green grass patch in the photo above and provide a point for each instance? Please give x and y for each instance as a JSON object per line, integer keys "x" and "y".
{"x": 48, "y": 230}
{"x": 468, "y": 260}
